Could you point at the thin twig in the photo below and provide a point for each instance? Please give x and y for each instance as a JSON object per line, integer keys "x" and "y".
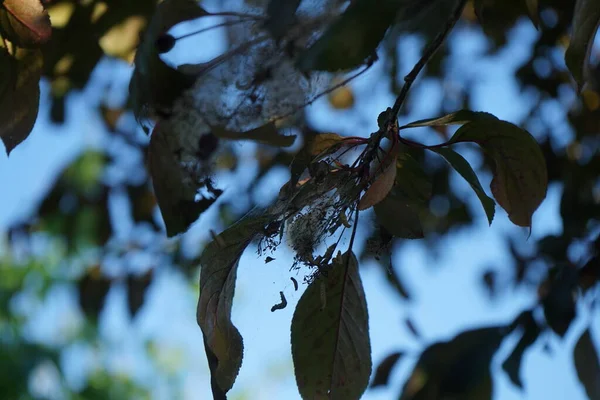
{"x": 222, "y": 24}
{"x": 429, "y": 52}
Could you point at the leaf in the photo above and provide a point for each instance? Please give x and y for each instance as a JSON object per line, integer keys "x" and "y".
{"x": 281, "y": 14}
{"x": 533, "y": 11}
{"x": 398, "y": 218}
{"x": 20, "y": 100}
{"x": 455, "y": 118}
{"x": 464, "y": 169}
{"x": 382, "y": 373}
{"x": 558, "y": 298}
{"x": 93, "y": 288}
{"x": 25, "y": 22}
{"x": 330, "y": 346}
{"x": 478, "y": 6}
{"x": 137, "y": 286}
{"x": 352, "y": 38}
{"x": 589, "y": 274}
{"x": 316, "y": 146}
{"x": 587, "y": 365}
{"x": 459, "y": 368}
{"x": 267, "y": 134}
{"x": 219, "y": 262}
{"x": 512, "y": 365}
{"x": 154, "y": 85}
{"x": 520, "y": 179}
{"x": 412, "y": 183}
{"x": 175, "y": 196}
{"x": 586, "y": 20}
{"x": 380, "y": 188}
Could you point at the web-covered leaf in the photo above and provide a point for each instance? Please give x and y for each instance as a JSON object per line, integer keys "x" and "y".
{"x": 330, "y": 335}
{"x": 352, "y": 38}
{"x": 154, "y": 85}
{"x": 177, "y": 188}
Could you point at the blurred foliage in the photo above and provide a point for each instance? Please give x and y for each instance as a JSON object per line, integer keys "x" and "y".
{"x": 76, "y": 221}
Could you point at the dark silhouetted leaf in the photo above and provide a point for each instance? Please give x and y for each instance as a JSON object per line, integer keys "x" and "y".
{"x": 25, "y": 22}
{"x": 352, "y": 38}
{"x": 533, "y": 11}
{"x": 330, "y": 346}
{"x": 154, "y": 86}
{"x": 457, "y": 369}
{"x": 589, "y": 274}
{"x": 456, "y": 118}
{"x": 520, "y": 178}
{"x": 512, "y": 365}
{"x": 464, "y": 169}
{"x": 558, "y": 299}
{"x": 380, "y": 188}
{"x": 267, "y": 134}
{"x": 93, "y": 288}
{"x": 412, "y": 183}
{"x": 281, "y": 14}
{"x": 585, "y": 24}
{"x": 136, "y": 290}
{"x": 20, "y": 100}
{"x": 177, "y": 199}
{"x": 398, "y": 218}
{"x": 382, "y": 373}
{"x": 219, "y": 262}
{"x": 587, "y": 365}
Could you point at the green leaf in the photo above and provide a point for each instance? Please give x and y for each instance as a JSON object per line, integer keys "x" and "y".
{"x": 352, "y": 38}
{"x": 533, "y": 11}
{"x": 25, "y": 22}
{"x": 464, "y": 169}
{"x": 455, "y": 118}
{"x": 219, "y": 262}
{"x": 267, "y": 134}
{"x": 398, "y": 217}
{"x": 382, "y": 374}
{"x": 586, "y": 20}
{"x": 412, "y": 183}
{"x": 330, "y": 335}
{"x": 20, "y": 97}
{"x": 459, "y": 368}
{"x": 587, "y": 365}
{"x": 281, "y": 14}
{"x": 154, "y": 85}
{"x": 520, "y": 179}
{"x": 176, "y": 198}
{"x": 512, "y": 365}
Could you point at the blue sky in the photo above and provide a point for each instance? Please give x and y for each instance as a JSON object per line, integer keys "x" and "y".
{"x": 448, "y": 297}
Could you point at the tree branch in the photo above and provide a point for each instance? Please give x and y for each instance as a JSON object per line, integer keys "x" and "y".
{"x": 429, "y": 52}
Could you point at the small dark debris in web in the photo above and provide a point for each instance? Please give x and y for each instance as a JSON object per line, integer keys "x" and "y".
{"x": 281, "y": 305}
